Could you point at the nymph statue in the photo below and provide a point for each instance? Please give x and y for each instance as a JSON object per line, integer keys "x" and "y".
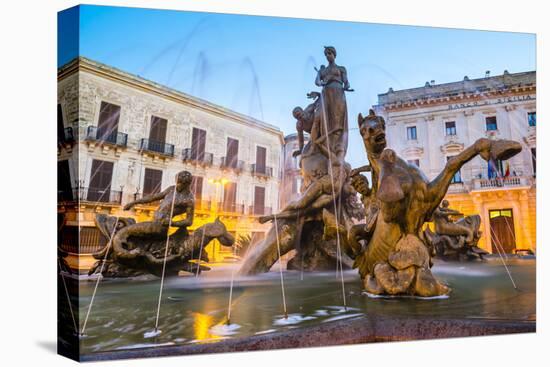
{"x": 139, "y": 248}
{"x": 454, "y": 239}
{"x": 334, "y": 112}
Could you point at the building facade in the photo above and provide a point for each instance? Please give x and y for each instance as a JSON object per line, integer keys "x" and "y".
{"x": 121, "y": 137}
{"x": 428, "y": 125}
{"x": 291, "y": 180}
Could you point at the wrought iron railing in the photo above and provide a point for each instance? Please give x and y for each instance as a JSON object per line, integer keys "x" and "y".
{"x": 113, "y": 138}
{"x": 229, "y": 207}
{"x": 197, "y": 157}
{"x": 234, "y": 164}
{"x": 261, "y": 170}
{"x": 99, "y": 195}
{"x": 158, "y": 147}
{"x": 259, "y": 210}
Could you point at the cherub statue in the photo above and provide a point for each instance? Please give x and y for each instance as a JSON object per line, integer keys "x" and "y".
{"x": 307, "y": 120}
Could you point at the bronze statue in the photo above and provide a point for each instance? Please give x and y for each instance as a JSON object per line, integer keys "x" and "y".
{"x": 454, "y": 239}
{"x": 139, "y": 248}
{"x": 334, "y": 112}
{"x": 316, "y": 222}
{"x": 308, "y": 120}
{"x": 395, "y": 259}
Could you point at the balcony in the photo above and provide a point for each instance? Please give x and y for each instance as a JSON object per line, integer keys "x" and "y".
{"x": 200, "y": 158}
{"x": 457, "y": 188}
{"x": 479, "y": 184}
{"x": 259, "y": 210}
{"x": 156, "y": 147}
{"x": 98, "y": 195}
{"x": 261, "y": 171}
{"x": 231, "y": 208}
{"x": 115, "y": 138}
{"x": 233, "y": 164}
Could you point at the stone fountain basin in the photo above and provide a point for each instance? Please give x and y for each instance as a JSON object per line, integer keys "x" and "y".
{"x": 193, "y": 312}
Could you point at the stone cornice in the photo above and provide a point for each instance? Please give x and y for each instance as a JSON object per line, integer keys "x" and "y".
{"x": 82, "y": 64}
{"x": 462, "y": 99}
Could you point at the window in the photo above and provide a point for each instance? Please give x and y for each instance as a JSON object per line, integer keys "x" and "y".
{"x": 416, "y": 162}
{"x": 64, "y": 187}
{"x": 411, "y": 133}
{"x": 158, "y": 129}
{"x": 152, "y": 181}
{"x": 260, "y": 159}
{"x": 229, "y": 196}
{"x": 259, "y": 200}
{"x": 532, "y": 118}
{"x": 60, "y": 125}
{"x": 457, "y": 178}
{"x": 198, "y": 144}
{"x": 196, "y": 187}
{"x": 107, "y": 125}
{"x": 491, "y": 123}
{"x": 450, "y": 128}
{"x": 232, "y": 153}
{"x": 534, "y": 160}
{"x": 100, "y": 181}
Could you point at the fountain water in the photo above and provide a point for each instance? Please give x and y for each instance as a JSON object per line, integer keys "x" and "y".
{"x": 156, "y": 331}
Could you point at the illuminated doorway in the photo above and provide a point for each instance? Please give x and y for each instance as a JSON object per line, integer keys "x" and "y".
{"x": 502, "y": 230}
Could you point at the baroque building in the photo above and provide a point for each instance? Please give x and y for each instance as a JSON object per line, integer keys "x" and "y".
{"x": 428, "y": 125}
{"x": 291, "y": 180}
{"x": 121, "y": 137}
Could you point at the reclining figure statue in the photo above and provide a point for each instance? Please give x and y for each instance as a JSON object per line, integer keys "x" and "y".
{"x": 140, "y": 248}
{"x": 454, "y": 240}
{"x": 394, "y": 256}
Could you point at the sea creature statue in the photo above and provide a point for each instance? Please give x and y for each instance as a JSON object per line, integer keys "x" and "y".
{"x": 140, "y": 248}
{"x": 454, "y": 239}
{"x": 327, "y": 196}
{"x": 394, "y": 256}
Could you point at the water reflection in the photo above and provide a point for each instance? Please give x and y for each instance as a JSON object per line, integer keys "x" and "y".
{"x": 194, "y": 310}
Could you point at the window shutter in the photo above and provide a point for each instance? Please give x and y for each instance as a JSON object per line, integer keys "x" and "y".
{"x": 107, "y": 125}
{"x": 198, "y": 144}
{"x": 259, "y": 200}
{"x": 260, "y": 159}
{"x": 232, "y": 152}
{"x": 100, "y": 181}
{"x": 196, "y": 187}
{"x": 152, "y": 181}
{"x": 158, "y": 129}
{"x": 229, "y": 196}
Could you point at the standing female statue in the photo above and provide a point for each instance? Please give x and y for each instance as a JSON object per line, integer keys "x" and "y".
{"x": 334, "y": 80}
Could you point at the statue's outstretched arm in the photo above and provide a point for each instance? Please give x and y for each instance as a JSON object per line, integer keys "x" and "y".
{"x": 149, "y": 198}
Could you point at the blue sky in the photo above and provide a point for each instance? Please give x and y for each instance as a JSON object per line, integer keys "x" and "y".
{"x": 263, "y": 66}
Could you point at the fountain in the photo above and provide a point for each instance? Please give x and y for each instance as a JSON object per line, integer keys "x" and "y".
{"x": 391, "y": 251}
{"x": 238, "y": 307}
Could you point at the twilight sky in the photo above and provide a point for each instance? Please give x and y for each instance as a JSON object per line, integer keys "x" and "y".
{"x": 263, "y": 66}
